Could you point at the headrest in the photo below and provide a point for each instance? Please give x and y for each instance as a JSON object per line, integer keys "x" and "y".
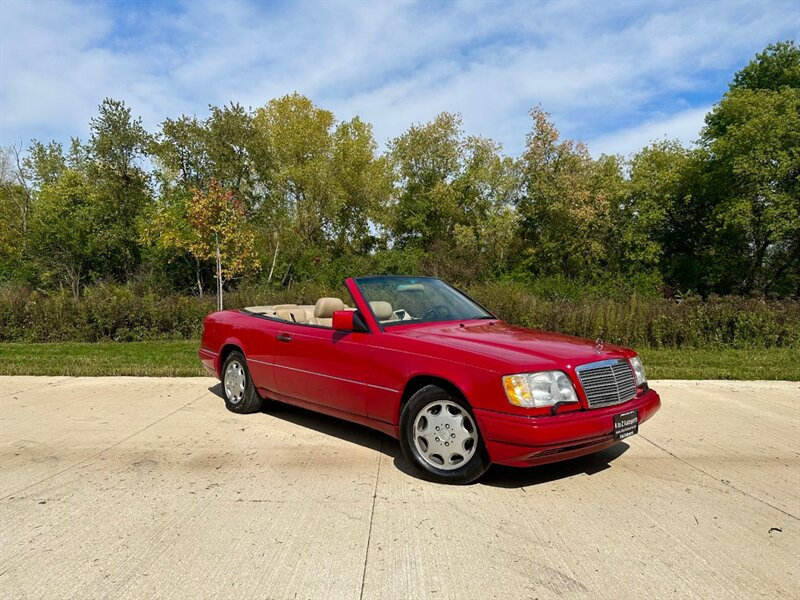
{"x": 383, "y": 310}
{"x": 325, "y": 307}
{"x": 283, "y": 306}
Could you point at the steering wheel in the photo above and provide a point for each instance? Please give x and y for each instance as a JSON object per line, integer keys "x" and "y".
{"x": 439, "y": 308}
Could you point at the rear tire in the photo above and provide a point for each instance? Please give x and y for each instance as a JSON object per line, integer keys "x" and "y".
{"x": 439, "y": 436}
{"x": 238, "y": 389}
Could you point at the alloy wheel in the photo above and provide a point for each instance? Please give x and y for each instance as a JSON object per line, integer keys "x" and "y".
{"x": 445, "y": 435}
{"x": 235, "y": 381}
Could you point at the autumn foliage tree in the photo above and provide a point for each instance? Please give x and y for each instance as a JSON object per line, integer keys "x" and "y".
{"x": 212, "y": 227}
{"x": 220, "y": 232}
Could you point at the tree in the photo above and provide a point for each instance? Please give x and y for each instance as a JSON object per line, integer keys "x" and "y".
{"x": 667, "y": 213}
{"x": 121, "y": 190}
{"x": 117, "y": 140}
{"x": 68, "y": 240}
{"x": 294, "y": 146}
{"x": 322, "y": 186}
{"x": 44, "y": 163}
{"x": 218, "y": 230}
{"x": 752, "y": 137}
{"x": 454, "y": 199}
{"x": 168, "y": 234}
{"x": 362, "y": 184}
{"x": 191, "y": 153}
{"x": 228, "y": 143}
{"x": 753, "y": 141}
{"x": 180, "y": 154}
{"x": 568, "y": 204}
{"x": 17, "y": 182}
{"x": 486, "y": 236}
{"x": 21, "y": 176}
{"x": 426, "y": 161}
{"x": 210, "y": 226}
{"x": 15, "y": 205}
{"x": 776, "y": 67}
{"x": 293, "y": 137}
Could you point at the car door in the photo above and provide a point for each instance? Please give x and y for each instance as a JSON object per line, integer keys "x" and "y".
{"x": 260, "y": 353}
{"x": 321, "y": 365}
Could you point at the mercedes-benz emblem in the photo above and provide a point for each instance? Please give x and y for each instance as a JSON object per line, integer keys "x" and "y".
{"x": 598, "y": 345}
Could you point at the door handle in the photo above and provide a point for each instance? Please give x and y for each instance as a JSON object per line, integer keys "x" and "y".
{"x": 284, "y": 337}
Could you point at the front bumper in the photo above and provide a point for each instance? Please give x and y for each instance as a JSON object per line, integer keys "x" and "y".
{"x": 521, "y": 441}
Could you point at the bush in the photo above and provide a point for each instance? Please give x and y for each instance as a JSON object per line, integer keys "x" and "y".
{"x": 126, "y": 313}
{"x": 106, "y": 312}
{"x": 638, "y": 321}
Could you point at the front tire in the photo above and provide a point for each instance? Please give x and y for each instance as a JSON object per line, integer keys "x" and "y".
{"x": 440, "y": 438}
{"x": 238, "y": 389}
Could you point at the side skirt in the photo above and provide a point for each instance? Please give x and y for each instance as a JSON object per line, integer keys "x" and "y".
{"x": 383, "y": 427}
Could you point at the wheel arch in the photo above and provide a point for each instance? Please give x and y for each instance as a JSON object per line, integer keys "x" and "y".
{"x": 228, "y": 347}
{"x": 417, "y": 382}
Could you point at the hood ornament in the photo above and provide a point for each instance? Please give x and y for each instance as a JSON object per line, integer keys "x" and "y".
{"x": 598, "y": 345}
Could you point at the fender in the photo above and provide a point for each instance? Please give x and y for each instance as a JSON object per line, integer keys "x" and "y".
{"x": 229, "y": 341}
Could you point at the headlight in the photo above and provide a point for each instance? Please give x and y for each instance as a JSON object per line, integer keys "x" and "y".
{"x": 638, "y": 371}
{"x": 544, "y": 388}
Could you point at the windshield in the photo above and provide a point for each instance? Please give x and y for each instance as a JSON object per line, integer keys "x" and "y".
{"x": 397, "y": 300}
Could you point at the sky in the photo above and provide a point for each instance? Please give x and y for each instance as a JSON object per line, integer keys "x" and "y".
{"x": 615, "y": 75}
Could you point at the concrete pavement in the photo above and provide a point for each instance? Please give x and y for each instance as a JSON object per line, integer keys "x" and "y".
{"x": 148, "y": 487}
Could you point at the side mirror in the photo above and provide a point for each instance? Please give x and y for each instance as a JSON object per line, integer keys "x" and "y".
{"x": 348, "y": 320}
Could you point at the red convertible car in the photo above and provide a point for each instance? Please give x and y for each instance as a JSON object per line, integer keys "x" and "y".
{"x": 419, "y": 360}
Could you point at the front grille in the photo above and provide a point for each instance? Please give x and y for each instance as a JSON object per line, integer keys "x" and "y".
{"x": 607, "y": 382}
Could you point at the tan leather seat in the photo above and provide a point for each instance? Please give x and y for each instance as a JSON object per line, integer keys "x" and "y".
{"x": 324, "y": 309}
{"x": 320, "y": 313}
{"x": 295, "y": 315}
{"x": 383, "y": 310}
{"x": 309, "y": 310}
{"x": 278, "y": 307}
{"x": 260, "y": 310}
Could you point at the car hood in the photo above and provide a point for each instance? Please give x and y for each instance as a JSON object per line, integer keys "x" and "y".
{"x": 512, "y": 344}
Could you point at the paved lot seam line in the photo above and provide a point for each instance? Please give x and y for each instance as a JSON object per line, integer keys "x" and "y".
{"x": 726, "y": 483}
{"x": 93, "y": 456}
{"x": 371, "y": 517}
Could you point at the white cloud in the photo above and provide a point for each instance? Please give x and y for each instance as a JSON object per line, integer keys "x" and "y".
{"x": 684, "y": 127}
{"x": 601, "y": 69}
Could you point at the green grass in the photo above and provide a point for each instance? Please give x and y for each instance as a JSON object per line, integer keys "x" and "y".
{"x": 160, "y": 359}
{"x": 179, "y": 358}
{"x": 692, "y": 363}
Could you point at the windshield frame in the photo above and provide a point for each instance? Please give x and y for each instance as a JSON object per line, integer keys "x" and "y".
{"x": 382, "y": 326}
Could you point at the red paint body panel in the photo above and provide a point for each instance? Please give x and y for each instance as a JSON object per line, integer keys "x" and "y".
{"x": 323, "y": 366}
{"x": 362, "y": 376}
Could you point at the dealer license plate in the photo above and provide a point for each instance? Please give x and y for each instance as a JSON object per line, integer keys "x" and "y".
{"x": 626, "y": 424}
